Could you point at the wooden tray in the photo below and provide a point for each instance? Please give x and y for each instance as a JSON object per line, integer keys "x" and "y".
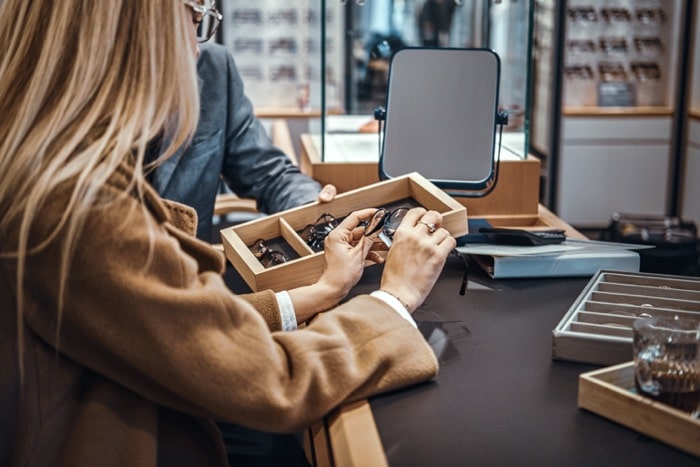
{"x": 609, "y": 392}
{"x": 598, "y": 327}
{"x": 305, "y": 265}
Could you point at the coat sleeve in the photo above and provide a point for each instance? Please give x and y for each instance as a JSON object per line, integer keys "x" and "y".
{"x": 253, "y": 167}
{"x": 143, "y": 311}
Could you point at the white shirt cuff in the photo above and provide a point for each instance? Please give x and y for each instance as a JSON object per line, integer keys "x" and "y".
{"x": 289, "y": 317}
{"x": 395, "y": 304}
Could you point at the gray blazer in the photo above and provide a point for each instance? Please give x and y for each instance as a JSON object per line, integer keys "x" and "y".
{"x": 230, "y": 143}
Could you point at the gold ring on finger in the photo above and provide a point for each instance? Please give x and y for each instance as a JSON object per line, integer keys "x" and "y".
{"x": 431, "y": 227}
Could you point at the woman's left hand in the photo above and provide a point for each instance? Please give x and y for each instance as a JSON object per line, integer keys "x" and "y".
{"x": 346, "y": 249}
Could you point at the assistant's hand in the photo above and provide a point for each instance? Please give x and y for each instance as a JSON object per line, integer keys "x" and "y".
{"x": 416, "y": 256}
{"x": 327, "y": 194}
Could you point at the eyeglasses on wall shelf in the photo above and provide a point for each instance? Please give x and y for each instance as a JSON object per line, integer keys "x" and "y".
{"x": 615, "y": 15}
{"x": 646, "y": 71}
{"x": 648, "y": 44}
{"x": 578, "y": 72}
{"x": 587, "y": 14}
{"x": 283, "y": 16}
{"x": 613, "y": 45}
{"x": 612, "y": 71}
{"x": 580, "y": 46}
{"x": 650, "y": 15}
{"x": 247, "y": 16}
{"x": 582, "y": 14}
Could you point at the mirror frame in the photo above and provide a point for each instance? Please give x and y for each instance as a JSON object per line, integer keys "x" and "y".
{"x": 394, "y": 113}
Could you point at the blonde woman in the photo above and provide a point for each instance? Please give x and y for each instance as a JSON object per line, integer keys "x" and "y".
{"x": 119, "y": 341}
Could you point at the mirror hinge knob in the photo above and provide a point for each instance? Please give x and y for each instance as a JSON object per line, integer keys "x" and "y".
{"x": 380, "y": 113}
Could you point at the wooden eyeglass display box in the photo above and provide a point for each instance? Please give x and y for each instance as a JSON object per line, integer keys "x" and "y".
{"x": 304, "y": 265}
{"x": 597, "y": 328}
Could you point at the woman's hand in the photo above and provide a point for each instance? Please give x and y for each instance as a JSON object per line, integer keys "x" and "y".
{"x": 416, "y": 257}
{"x": 345, "y": 252}
{"x": 346, "y": 249}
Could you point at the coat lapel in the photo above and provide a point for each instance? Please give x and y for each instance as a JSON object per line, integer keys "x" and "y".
{"x": 164, "y": 172}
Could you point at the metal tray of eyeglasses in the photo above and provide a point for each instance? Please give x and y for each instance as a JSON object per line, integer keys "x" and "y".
{"x": 597, "y": 328}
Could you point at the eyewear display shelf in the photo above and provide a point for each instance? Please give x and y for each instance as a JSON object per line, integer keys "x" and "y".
{"x": 305, "y": 265}
{"x": 604, "y": 105}
{"x": 690, "y": 201}
{"x": 690, "y": 188}
{"x": 279, "y": 52}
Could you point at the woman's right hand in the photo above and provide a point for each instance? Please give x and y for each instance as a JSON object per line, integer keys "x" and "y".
{"x": 416, "y": 257}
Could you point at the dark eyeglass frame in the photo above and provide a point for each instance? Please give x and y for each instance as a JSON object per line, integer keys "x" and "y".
{"x": 203, "y": 14}
{"x": 315, "y": 234}
{"x": 267, "y": 256}
{"x": 387, "y": 221}
{"x": 582, "y": 14}
{"x": 646, "y": 71}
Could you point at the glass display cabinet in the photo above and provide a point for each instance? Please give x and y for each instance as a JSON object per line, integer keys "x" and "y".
{"x": 362, "y": 35}
{"x": 689, "y": 189}
{"x": 605, "y": 107}
{"x": 277, "y": 45}
{"x": 327, "y": 61}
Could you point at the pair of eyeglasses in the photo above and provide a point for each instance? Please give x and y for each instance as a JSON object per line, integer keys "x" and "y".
{"x": 315, "y": 234}
{"x": 387, "y": 221}
{"x": 582, "y": 14}
{"x": 616, "y": 14}
{"x": 206, "y": 17}
{"x": 267, "y": 256}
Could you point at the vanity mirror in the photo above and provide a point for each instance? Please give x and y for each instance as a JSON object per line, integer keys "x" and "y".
{"x": 441, "y": 118}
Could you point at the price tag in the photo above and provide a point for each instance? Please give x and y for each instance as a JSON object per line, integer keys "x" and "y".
{"x": 617, "y": 94}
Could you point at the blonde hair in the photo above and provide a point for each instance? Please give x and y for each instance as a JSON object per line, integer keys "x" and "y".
{"x": 85, "y": 86}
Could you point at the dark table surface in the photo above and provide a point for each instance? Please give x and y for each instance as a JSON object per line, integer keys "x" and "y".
{"x": 499, "y": 398}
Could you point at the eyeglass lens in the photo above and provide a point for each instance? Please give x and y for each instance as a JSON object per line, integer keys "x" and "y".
{"x": 207, "y": 28}
{"x": 206, "y": 17}
{"x": 387, "y": 221}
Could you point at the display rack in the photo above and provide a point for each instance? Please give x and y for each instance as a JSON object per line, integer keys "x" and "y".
{"x": 619, "y": 54}
{"x": 690, "y": 168}
{"x": 373, "y": 30}
{"x": 605, "y": 123}
{"x": 278, "y": 49}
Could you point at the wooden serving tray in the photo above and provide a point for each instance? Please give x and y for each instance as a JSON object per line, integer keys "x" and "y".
{"x": 598, "y": 327}
{"x": 609, "y": 392}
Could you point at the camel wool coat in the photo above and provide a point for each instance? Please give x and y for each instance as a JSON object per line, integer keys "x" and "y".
{"x": 152, "y": 347}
